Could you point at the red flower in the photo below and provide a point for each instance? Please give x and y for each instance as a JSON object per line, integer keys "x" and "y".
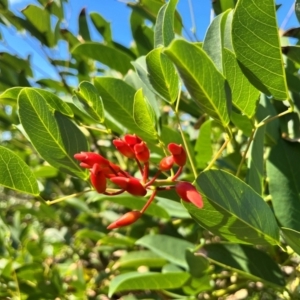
{"x": 166, "y": 163}
{"x": 178, "y": 154}
{"x": 131, "y": 185}
{"x": 88, "y": 159}
{"x": 124, "y": 148}
{"x": 98, "y": 178}
{"x": 132, "y": 139}
{"x": 142, "y": 152}
{"x": 126, "y": 219}
{"x": 187, "y": 192}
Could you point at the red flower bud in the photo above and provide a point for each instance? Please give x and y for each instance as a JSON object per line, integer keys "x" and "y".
{"x": 88, "y": 159}
{"x": 124, "y": 148}
{"x": 166, "y": 163}
{"x": 178, "y": 153}
{"x": 142, "y": 152}
{"x": 130, "y": 185}
{"x": 98, "y": 178}
{"x": 126, "y": 219}
{"x": 187, "y": 192}
{"x": 132, "y": 139}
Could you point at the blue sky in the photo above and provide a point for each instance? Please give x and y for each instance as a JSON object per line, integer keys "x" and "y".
{"x": 118, "y": 14}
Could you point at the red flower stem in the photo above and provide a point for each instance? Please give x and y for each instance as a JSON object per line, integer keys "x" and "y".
{"x": 115, "y": 193}
{"x": 148, "y": 202}
{"x": 113, "y": 170}
{"x": 146, "y": 172}
{"x": 140, "y": 166}
{"x": 177, "y": 174}
{"x": 165, "y": 188}
{"x": 153, "y": 179}
{"x": 125, "y": 174}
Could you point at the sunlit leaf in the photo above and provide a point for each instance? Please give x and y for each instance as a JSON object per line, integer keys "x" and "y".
{"x": 257, "y": 47}
{"x": 292, "y": 238}
{"x": 15, "y": 174}
{"x": 233, "y": 210}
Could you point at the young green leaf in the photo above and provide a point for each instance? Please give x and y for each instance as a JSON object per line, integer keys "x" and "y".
{"x": 89, "y": 96}
{"x": 233, "y": 210}
{"x": 257, "y": 47}
{"x": 214, "y": 40}
{"x": 118, "y": 100}
{"x": 112, "y": 57}
{"x": 15, "y": 174}
{"x": 283, "y": 172}
{"x": 247, "y": 261}
{"x": 164, "y": 27}
{"x": 53, "y": 135}
{"x": 143, "y": 114}
{"x": 147, "y": 281}
{"x": 83, "y": 26}
{"x": 102, "y": 26}
{"x": 255, "y": 173}
{"x": 203, "y": 81}
{"x": 162, "y": 75}
{"x": 244, "y": 95}
{"x": 170, "y": 248}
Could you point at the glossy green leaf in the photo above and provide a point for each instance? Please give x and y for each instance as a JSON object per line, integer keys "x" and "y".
{"x": 147, "y": 281}
{"x": 162, "y": 75}
{"x": 142, "y": 34}
{"x": 228, "y": 31}
{"x": 255, "y": 173}
{"x": 118, "y": 100}
{"x": 283, "y": 173}
{"x": 170, "y": 248}
{"x": 143, "y": 114}
{"x": 233, "y": 210}
{"x": 203, "y": 81}
{"x": 83, "y": 26}
{"x": 54, "y": 136}
{"x": 89, "y": 97}
{"x": 173, "y": 208}
{"x": 203, "y": 146}
{"x": 112, "y": 57}
{"x": 15, "y": 174}
{"x": 10, "y": 96}
{"x": 102, "y": 26}
{"x": 292, "y": 238}
{"x": 135, "y": 259}
{"x": 248, "y": 261}
{"x": 164, "y": 27}
{"x": 213, "y": 42}
{"x": 244, "y": 95}
{"x": 257, "y": 47}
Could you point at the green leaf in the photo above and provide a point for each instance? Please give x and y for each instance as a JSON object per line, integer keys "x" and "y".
{"x": 292, "y": 52}
{"x": 255, "y": 174}
{"x": 118, "y": 100}
{"x": 205, "y": 84}
{"x": 83, "y": 26}
{"x": 203, "y": 146}
{"x": 170, "y": 248}
{"x": 54, "y": 136}
{"x": 284, "y": 173}
{"x": 292, "y": 238}
{"x": 297, "y": 9}
{"x": 143, "y": 114}
{"x": 244, "y": 95}
{"x": 147, "y": 281}
{"x": 245, "y": 260}
{"x": 164, "y": 27}
{"x": 15, "y": 174}
{"x": 162, "y": 75}
{"x": 102, "y": 26}
{"x": 135, "y": 259}
{"x": 242, "y": 122}
{"x": 220, "y": 6}
{"x": 198, "y": 265}
{"x": 89, "y": 97}
{"x": 10, "y": 96}
{"x": 213, "y": 42}
{"x": 112, "y": 57}
{"x": 257, "y": 47}
{"x": 233, "y": 210}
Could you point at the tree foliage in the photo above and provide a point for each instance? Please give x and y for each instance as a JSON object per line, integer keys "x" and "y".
{"x": 231, "y": 102}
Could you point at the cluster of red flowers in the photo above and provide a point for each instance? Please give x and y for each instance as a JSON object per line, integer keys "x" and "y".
{"x": 133, "y": 147}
